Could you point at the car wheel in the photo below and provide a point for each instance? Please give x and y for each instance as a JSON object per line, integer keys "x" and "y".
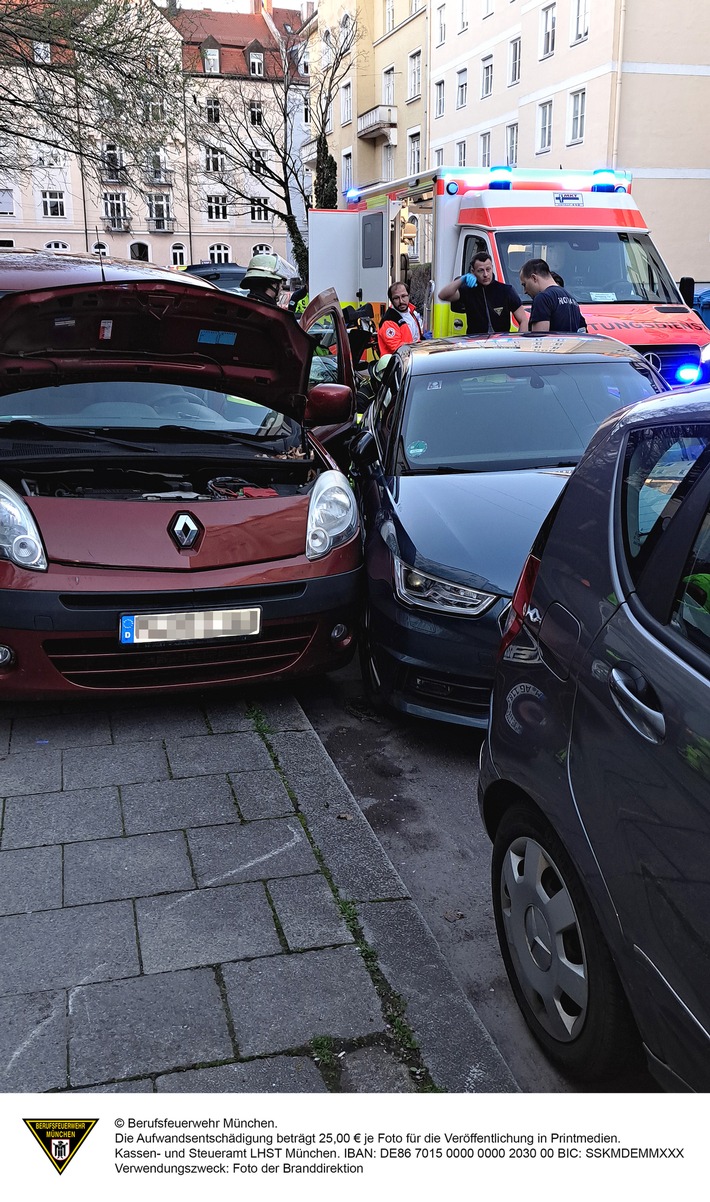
{"x": 557, "y": 960}
{"x": 368, "y": 665}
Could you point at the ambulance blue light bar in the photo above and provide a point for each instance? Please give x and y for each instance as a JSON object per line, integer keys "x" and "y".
{"x": 352, "y": 196}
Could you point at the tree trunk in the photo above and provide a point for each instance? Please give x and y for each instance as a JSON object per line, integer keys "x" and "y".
{"x": 300, "y": 249}
{"x": 326, "y": 182}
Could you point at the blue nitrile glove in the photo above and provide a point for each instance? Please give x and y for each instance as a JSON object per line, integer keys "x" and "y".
{"x": 427, "y": 334}
{"x": 469, "y": 280}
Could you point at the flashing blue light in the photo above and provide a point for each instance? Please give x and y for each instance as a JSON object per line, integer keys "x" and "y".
{"x": 604, "y": 180}
{"x": 689, "y": 373}
{"x": 501, "y": 178}
{"x": 352, "y": 195}
{"x": 452, "y": 188}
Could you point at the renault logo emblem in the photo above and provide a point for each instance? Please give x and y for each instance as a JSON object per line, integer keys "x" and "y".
{"x": 654, "y": 360}
{"x": 184, "y": 530}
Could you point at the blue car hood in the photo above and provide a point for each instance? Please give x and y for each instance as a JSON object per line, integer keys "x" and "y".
{"x": 476, "y": 529}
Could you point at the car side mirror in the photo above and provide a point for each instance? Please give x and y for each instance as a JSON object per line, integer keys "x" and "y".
{"x": 327, "y": 404}
{"x": 364, "y": 450}
{"x": 686, "y": 287}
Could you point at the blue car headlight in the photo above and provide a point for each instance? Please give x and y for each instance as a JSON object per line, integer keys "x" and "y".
{"x": 423, "y": 591}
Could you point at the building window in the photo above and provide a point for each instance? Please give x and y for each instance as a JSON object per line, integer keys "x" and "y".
{"x": 256, "y": 114}
{"x": 461, "y": 88}
{"x": 155, "y": 167}
{"x": 414, "y": 154}
{"x": 487, "y": 75}
{"x": 329, "y": 119}
{"x": 389, "y": 15}
{"x": 210, "y": 59}
{"x": 439, "y": 158}
{"x": 511, "y": 144}
{"x": 346, "y": 104}
{"x": 256, "y": 65}
{"x": 347, "y": 171}
{"x": 484, "y": 150}
{"x": 463, "y": 15}
{"x": 460, "y": 154}
{"x": 217, "y": 207}
{"x": 414, "y": 6}
{"x": 49, "y": 156}
{"x": 158, "y": 209}
{"x": 260, "y": 208}
{"x": 306, "y": 111}
{"x": 177, "y": 254}
{"x": 346, "y": 32}
{"x": 326, "y": 49}
{"x": 214, "y": 158}
{"x": 580, "y": 20}
{"x": 261, "y": 248}
{"x": 387, "y": 163}
{"x": 441, "y": 25}
{"x": 578, "y": 104}
{"x": 219, "y": 253}
{"x": 115, "y": 210}
{"x": 53, "y": 204}
{"x": 7, "y": 208}
{"x": 257, "y": 162}
{"x": 413, "y": 246}
{"x": 57, "y": 246}
{"x": 113, "y": 161}
{"x": 100, "y": 249}
{"x": 388, "y": 86}
{"x": 544, "y": 126}
{"x": 439, "y": 98}
{"x": 548, "y": 17}
{"x": 42, "y": 52}
{"x": 139, "y": 250}
{"x": 414, "y": 75}
{"x": 305, "y": 64}
{"x": 154, "y": 109}
{"x": 514, "y": 62}
{"x": 212, "y": 110}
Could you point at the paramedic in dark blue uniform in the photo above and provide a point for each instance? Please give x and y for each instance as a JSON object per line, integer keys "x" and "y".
{"x": 553, "y": 308}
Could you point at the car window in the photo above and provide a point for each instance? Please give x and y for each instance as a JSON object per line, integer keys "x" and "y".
{"x": 691, "y": 610}
{"x": 324, "y": 364}
{"x": 661, "y": 464}
{"x": 385, "y": 404}
{"x": 507, "y": 418}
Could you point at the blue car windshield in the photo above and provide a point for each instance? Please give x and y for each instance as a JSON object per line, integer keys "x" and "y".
{"x": 508, "y": 418}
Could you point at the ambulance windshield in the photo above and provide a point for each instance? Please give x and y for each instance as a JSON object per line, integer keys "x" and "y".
{"x": 598, "y": 267}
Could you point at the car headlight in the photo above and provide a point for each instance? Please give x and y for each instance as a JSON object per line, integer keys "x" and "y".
{"x": 705, "y": 354}
{"x": 429, "y": 592}
{"x": 332, "y": 514}
{"x": 20, "y": 539}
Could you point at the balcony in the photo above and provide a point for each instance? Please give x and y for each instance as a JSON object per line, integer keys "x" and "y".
{"x": 309, "y": 152}
{"x": 161, "y": 225}
{"x": 159, "y": 175}
{"x": 117, "y": 225}
{"x": 112, "y": 173}
{"x": 377, "y": 122}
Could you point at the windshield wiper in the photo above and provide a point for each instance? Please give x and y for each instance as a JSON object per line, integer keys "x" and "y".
{"x": 30, "y": 427}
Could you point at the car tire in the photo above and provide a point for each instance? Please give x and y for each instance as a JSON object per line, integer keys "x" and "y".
{"x": 558, "y": 963}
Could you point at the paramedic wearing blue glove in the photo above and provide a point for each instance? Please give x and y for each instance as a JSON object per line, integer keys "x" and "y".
{"x": 488, "y": 304}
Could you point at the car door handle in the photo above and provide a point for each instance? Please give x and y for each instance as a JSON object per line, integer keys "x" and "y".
{"x": 647, "y": 721}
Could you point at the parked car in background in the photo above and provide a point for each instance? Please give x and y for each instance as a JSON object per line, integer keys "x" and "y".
{"x": 464, "y": 451}
{"x": 227, "y": 276}
{"x": 595, "y": 778}
{"x": 168, "y": 516}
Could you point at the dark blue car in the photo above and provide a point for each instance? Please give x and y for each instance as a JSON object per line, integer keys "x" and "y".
{"x": 463, "y": 453}
{"x": 595, "y": 778}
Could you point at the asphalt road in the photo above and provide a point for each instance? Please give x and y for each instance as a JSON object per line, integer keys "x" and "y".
{"x": 416, "y": 783}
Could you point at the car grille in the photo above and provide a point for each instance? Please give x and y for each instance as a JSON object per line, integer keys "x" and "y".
{"x": 460, "y": 695}
{"x": 668, "y": 359}
{"x": 101, "y": 662}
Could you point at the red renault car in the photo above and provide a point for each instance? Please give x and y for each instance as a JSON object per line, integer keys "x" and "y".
{"x": 170, "y": 514}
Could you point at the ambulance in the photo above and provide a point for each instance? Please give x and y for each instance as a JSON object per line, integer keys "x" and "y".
{"x": 586, "y": 225}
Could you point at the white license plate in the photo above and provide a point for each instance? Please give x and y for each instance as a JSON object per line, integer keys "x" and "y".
{"x": 176, "y": 628}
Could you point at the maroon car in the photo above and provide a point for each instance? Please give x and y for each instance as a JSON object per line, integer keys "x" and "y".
{"x": 169, "y": 519}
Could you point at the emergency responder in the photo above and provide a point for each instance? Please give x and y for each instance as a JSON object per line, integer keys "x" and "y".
{"x": 401, "y": 322}
{"x": 553, "y": 308}
{"x": 487, "y": 303}
{"x": 265, "y": 277}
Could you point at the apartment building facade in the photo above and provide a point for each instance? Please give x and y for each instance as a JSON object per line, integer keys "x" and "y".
{"x": 177, "y": 207}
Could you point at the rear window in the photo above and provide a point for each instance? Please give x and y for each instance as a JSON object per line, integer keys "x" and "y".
{"x": 661, "y": 465}
{"x": 508, "y": 418}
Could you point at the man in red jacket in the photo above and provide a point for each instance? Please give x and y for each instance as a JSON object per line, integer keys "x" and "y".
{"x": 401, "y": 322}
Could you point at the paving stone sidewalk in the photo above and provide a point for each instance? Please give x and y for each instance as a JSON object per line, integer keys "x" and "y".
{"x": 191, "y": 900}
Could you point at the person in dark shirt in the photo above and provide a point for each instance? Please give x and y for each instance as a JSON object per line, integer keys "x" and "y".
{"x": 487, "y": 303}
{"x": 553, "y": 307}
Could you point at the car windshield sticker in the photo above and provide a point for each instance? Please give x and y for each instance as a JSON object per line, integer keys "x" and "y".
{"x": 433, "y": 384}
{"x": 602, "y": 296}
{"x": 105, "y": 330}
{"x": 417, "y": 448}
{"x": 227, "y": 337}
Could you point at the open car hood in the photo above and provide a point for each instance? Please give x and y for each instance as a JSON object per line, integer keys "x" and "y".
{"x": 169, "y": 331}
